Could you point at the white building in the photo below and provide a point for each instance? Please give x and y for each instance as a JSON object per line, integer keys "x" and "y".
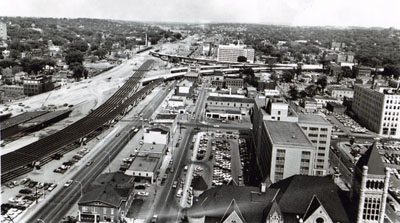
{"x": 319, "y": 131}
{"x": 156, "y": 135}
{"x": 230, "y": 53}
{"x": 3, "y": 31}
{"x": 378, "y": 109}
{"x": 340, "y": 93}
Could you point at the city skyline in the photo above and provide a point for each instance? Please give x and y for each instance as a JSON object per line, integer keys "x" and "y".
{"x": 288, "y": 12}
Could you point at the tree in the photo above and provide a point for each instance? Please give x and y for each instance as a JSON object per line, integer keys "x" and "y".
{"x": 74, "y": 56}
{"x": 101, "y": 53}
{"x": 390, "y": 70}
{"x": 303, "y": 94}
{"x": 288, "y": 76}
{"x": 310, "y": 90}
{"x": 80, "y": 45}
{"x": 293, "y": 92}
{"x": 322, "y": 82}
{"x": 78, "y": 70}
{"x": 274, "y": 78}
{"x": 242, "y": 59}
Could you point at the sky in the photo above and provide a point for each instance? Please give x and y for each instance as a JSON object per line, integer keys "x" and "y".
{"x": 366, "y": 13}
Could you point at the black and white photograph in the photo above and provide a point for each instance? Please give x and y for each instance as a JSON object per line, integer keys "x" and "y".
{"x": 200, "y": 111}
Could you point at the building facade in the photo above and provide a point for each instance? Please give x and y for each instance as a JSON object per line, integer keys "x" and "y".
{"x": 340, "y": 93}
{"x": 319, "y": 131}
{"x": 230, "y": 53}
{"x": 378, "y": 109}
{"x": 3, "y": 31}
{"x": 37, "y": 85}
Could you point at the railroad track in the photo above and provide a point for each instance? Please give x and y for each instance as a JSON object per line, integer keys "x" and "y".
{"x": 20, "y": 162}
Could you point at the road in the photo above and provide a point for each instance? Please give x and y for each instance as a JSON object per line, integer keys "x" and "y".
{"x": 61, "y": 203}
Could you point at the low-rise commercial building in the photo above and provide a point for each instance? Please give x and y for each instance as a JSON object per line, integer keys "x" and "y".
{"x": 156, "y": 135}
{"x": 145, "y": 168}
{"x": 108, "y": 199}
{"x": 340, "y": 93}
{"x": 37, "y": 85}
{"x": 232, "y": 102}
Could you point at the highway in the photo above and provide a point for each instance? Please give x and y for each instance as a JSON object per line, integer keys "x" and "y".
{"x": 57, "y": 207}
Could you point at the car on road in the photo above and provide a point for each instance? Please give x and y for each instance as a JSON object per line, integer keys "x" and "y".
{"x": 175, "y": 184}
{"x": 143, "y": 193}
{"x": 51, "y": 187}
{"x": 154, "y": 218}
{"x": 68, "y": 183}
{"x": 117, "y": 134}
{"x": 25, "y": 191}
{"x": 216, "y": 126}
{"x": 140, "y": 187}
{"x": 89, "y": 163}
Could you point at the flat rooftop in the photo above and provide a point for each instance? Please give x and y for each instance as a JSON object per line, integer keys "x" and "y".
{"x": 20, "y": 119}
{"x": 148, "y": 148}
{"x": 144, "y": 164}
{"x": 287, "y": 133}
{"x": 312, "y": 119}
{"x": 230, "y": 99}
{"x": 166, "y": 116}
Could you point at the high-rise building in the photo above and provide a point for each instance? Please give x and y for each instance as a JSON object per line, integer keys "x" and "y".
{"x": 319, "y": 131}
{"x": 289, "y": 150}
{"x": 370, "y": 187}
{"x": 378, "y": 109}
{"x": 230, "y": 53}
{"x": 316, "y": 130}
{"x": 3, "y": 31}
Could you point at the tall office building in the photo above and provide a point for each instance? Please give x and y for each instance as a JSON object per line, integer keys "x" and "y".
{"x": 269, "y": 112}
{"x": 3, "y": 31}
{"x": 319, "y": 131}
{"x": 378, "y": 109}
{"x": 230, "y": 53}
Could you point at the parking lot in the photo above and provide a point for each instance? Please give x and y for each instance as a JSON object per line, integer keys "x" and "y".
{"x": 343, "y": 125}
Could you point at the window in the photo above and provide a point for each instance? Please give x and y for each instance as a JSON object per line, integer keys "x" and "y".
{"x": 104, "y": 210}
{"x": 112, "y": 211}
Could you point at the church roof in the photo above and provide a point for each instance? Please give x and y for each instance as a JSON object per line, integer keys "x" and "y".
{"x": 296, "y": 193}
{"x": 233, "y": 207}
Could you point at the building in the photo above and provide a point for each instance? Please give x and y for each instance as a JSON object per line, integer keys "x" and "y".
{"x": 287, "y": 149}
{"x": 370, "y": 187}
{"x": 184, "y": 88}
{"x": 191, "y": 76}
{"x": 323, "y": 100}
{"x": 234, "y": 82}
{"x": 347, "y": 57}
{"x": 13, "y": 90}
{"x": 363, "y": 71}
{"x": 232, "y": 102}
{"x": 224, "y": 114}
{"x": 230, "y": 53}
{"x": 176, "y": 102}
{"x": 37, "y": 85}
{"x": 156, "y": 135}
{"x": 340, "y": 93}
{"x": 108, "y": 199}
{"x": 295, "y": 199}
{"x": 3, "y": 31}
{"x": 378, "y": 109}
{"x": 319, "y": 131}
{"x": 315, "y": 128}
{"x": 145, "y": 168}
{"x": 167, "y": 119}
{"x": 335, "y": 107}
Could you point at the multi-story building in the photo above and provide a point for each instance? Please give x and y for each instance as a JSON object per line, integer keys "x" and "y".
{"x": 230, "y": 53}
{"x": 315, "y": 128}
{"x": 156, "y": 135}
{"x": 37, "y": 85}
{"x": 13, "y": 90}
{"x": 184, "y": 88}
{"x": 370, "y": 187}
{"x": 340, "y": 93}
{"x": 108, "y": 199}
{"x": 319, "y": 131}
{"x": 3, "y": 31}
{"x": 287, "y": 149}
{"x": 378, "y": 109}
{"x": 234, "y": 82}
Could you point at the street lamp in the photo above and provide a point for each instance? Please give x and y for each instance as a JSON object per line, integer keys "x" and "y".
{"x": 109, "y": 162}
{"x": 80, "y": 183}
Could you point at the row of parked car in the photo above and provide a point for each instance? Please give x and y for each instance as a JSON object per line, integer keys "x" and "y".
{"x": 222, "y": 164}
{"x": 68, "y": 164}
{"x": 31, "y": 191}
